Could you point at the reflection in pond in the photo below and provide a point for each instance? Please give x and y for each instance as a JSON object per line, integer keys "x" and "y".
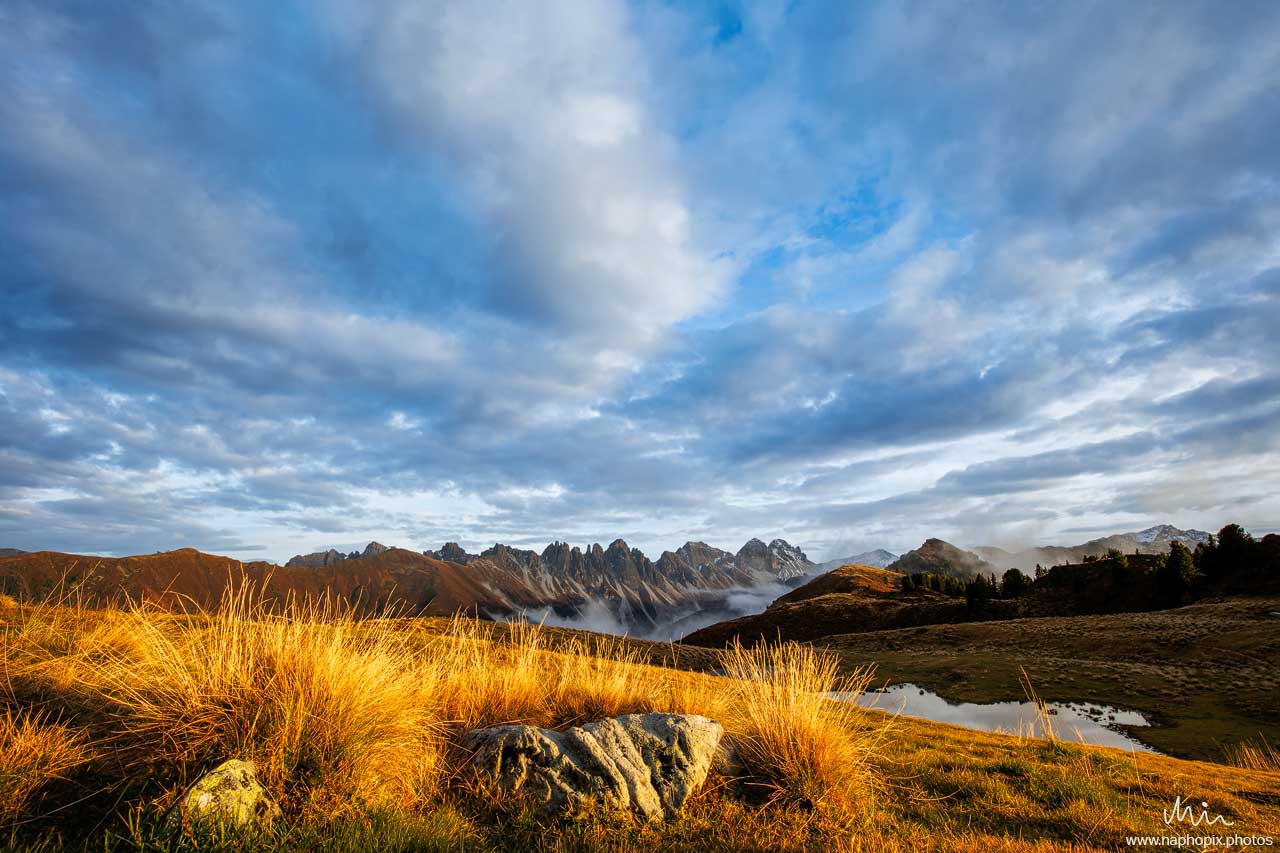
{"x": 1079, "y": 721}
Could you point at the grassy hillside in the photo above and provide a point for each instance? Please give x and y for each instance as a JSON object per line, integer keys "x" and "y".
{"x": 850, "y": 598}
{"x": 404, "y": 581}
{"x": 355, "y": 725}
{"x": 1207, "y": 675}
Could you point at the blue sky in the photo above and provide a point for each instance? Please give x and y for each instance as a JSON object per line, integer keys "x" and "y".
{"x": 275, "y": 277}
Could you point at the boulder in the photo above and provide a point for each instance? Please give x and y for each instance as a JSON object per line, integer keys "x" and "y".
{"x": 231, "y": 794}
{"x": 646, "y": 763}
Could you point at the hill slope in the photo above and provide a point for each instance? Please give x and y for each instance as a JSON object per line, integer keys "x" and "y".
{"x": 941, "y": 558}
{"x": 401, "y": 580}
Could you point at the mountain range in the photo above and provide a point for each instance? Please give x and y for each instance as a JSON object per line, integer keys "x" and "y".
{"x": 940, "y": 557}
{"x": 616, "y": 588}
{"x": 1153, "y": 540}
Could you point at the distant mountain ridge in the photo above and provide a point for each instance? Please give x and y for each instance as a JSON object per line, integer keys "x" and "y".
{"x": 943, "y": 558}
{"x": 320, "y": 559}
{"x": 1153, "y": 540}
{"x": 879, "y": 558}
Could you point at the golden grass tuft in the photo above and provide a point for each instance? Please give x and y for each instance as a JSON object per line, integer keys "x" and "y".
{"x": 479, "y": 682}
{"x": 791, "y": 735}
{"x": 33, "y": 752}
{"x": 319, "y": 700}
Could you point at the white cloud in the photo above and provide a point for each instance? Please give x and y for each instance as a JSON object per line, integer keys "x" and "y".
{"x": 542, "y": 108}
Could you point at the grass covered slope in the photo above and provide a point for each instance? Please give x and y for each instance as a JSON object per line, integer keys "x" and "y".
{"x": 1207, "y": 675}
{"x": 354, "y": 726}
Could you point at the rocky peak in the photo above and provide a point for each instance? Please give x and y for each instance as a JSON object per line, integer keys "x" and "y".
{"x": 788, "y": 560}
{"x": 779, "y": 558}
{"x": 373, "y": 549}
{"x": 452, "y": 552}
{"x": 316, "y": 560}
{"x": 700, "y": 555}
{"x": 512, "y": 558}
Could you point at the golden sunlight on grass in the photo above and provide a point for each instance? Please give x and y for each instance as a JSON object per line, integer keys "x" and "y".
{"x": 33, "y": 751}
{"x": 790, "y": 734}
{"x": 336, "y": 711}
{"x": 1257, "y": 754}
{"x": 356, "y": 725}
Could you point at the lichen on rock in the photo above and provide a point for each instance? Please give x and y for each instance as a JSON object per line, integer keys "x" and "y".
{"x": 646, "y": 763}
{"x": 230, "y": 794}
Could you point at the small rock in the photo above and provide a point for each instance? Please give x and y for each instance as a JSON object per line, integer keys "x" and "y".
{"x": 230, "y": 793}
{"x": 647, "y": 763}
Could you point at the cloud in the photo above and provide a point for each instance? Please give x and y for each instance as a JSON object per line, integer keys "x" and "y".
{"x": 852, "y": 276}
{"x": 542, "y": 111}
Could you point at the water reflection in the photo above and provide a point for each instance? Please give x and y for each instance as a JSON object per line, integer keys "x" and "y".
{"x": 1084, "y": 722}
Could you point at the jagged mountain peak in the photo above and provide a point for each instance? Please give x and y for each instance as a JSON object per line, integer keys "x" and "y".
{"x": 320, "y": 559}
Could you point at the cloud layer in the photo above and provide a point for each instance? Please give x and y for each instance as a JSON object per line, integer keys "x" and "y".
{"x": 308, "y": 276}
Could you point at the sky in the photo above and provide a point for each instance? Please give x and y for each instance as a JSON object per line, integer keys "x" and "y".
{"x": 276, "y": 277}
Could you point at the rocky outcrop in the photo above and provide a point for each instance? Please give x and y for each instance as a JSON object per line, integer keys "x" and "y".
{"x": 648, "y": 764}
{"x": 779, "y": 558}
{"x": 229, "y": 794}
{"x": 452, "y": 552}
{"x": 317, "y": 560}
{"x": 320, "y": 559}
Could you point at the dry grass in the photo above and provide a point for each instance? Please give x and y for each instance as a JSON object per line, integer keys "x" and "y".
{"x": 790, "y": 735}
{"x": 33, "y": 752}
{"x": 1258, "y": 755}
{"x": 1043, "y": 716}
{"x": 339, "y": 712}
{"x": 316, "y": 699}
{"x": 355, "y": 726}
{"x": 477, "y": 682}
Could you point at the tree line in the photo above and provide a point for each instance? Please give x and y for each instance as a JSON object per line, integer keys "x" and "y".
{"x": 1231, "y": 561}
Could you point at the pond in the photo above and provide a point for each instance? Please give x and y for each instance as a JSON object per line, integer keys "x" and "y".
{"x": 1084, "y": 722}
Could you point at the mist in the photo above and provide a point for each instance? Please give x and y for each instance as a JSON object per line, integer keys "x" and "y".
{"x": 602, "y": 617}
